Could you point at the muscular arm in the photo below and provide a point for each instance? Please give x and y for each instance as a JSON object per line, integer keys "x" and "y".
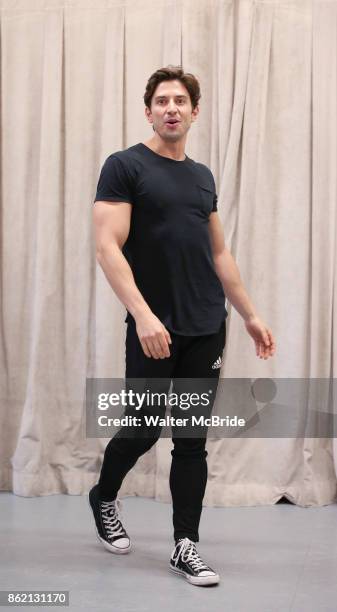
{"x": 112, "y": 225}
{"x": 228, "y": 271}
{"x": 229, "y": 275}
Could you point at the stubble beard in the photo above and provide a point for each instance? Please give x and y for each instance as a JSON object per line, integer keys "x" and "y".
{"x": 172, "y": 137}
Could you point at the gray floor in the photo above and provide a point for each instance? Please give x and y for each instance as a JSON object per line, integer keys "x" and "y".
{"x": 278, "y": 558}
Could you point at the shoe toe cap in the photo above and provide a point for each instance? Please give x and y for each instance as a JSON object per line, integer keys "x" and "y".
{"x": 122, "y": 543}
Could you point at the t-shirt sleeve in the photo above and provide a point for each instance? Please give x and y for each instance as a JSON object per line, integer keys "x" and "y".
{"x": 215, "y": 197}
{"x": 114, "y": 183}
{"x": 215, "y": 203}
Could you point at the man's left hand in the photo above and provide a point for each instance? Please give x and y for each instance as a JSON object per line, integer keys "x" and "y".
{"x": 262, "y": 336}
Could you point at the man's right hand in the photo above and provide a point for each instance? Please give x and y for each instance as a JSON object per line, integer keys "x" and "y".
{"x": 153, "y": 335}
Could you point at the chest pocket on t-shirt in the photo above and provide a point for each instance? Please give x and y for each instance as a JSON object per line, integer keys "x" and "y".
{"x": 206, "y": 198}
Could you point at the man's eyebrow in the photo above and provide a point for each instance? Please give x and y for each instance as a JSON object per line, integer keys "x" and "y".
{"x": 177, "y": 96}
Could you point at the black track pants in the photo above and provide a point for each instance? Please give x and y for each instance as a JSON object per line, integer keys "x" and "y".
{"x": 190, "y": 357}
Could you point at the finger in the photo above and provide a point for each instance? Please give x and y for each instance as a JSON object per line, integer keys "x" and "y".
{"x": 147, "y": 344}
{"x": 266, "y": 339}
{"x": 164, "y": 346}
{"x": 152, "y": 348}
{"x": 268, "y": 353}
{"x": 158, "y": 348}
{"x": 272, "y": 346}
{"x": 168, "y": 337}
{"x": 145, "y": 348}
{"x": 271, "y": 337}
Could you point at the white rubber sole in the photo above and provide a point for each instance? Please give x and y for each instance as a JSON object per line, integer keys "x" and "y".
{"x": 110, "y": 547}
{"x": 201, "y": 581}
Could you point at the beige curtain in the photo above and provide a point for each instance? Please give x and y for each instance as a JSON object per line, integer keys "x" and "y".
{"x": 73, "y": 73}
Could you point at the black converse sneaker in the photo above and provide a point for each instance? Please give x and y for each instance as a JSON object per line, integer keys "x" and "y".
{"x": 109, "y": 528}
{"x": 185, "y": 560}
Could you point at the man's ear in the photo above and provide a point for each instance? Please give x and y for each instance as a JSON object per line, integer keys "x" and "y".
{"x": 195, "y": 112}
{"x": 147, "y": 115}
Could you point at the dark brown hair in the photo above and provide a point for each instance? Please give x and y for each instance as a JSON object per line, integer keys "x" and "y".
{"x": 170, "y": 73}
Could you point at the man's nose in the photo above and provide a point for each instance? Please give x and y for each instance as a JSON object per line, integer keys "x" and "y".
{"x": 171, "y": 107}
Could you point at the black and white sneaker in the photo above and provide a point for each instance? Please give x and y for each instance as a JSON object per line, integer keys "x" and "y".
{"x": 109, "y": 528}
{"x": 185, "y": 560}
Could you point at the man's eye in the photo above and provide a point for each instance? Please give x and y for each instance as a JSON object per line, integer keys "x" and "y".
{"x": 180, "y": 101}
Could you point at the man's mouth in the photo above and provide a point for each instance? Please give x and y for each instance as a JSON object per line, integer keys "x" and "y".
{"x": 172, "y": 121}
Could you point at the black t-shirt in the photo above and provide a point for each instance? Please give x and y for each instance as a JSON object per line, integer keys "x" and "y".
{"x": 168, "y": 247}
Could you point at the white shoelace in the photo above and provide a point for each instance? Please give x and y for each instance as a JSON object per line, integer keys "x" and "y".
{"x": 188, "y": 553}
{"x": 111, "y": 514}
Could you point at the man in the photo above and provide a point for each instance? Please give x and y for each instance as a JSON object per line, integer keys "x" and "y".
{"x": 160, "y": 243}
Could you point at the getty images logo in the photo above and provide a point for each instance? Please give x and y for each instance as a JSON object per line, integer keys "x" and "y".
{"x": 217, "y": 364}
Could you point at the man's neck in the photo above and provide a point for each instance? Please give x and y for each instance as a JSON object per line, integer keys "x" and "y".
{"x": 175, "y": 150}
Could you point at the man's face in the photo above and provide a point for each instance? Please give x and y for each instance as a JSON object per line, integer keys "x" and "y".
{"x": 171, "y": 110}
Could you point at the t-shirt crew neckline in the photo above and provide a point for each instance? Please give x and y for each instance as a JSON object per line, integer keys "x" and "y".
{"x": 169, "y": 159}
